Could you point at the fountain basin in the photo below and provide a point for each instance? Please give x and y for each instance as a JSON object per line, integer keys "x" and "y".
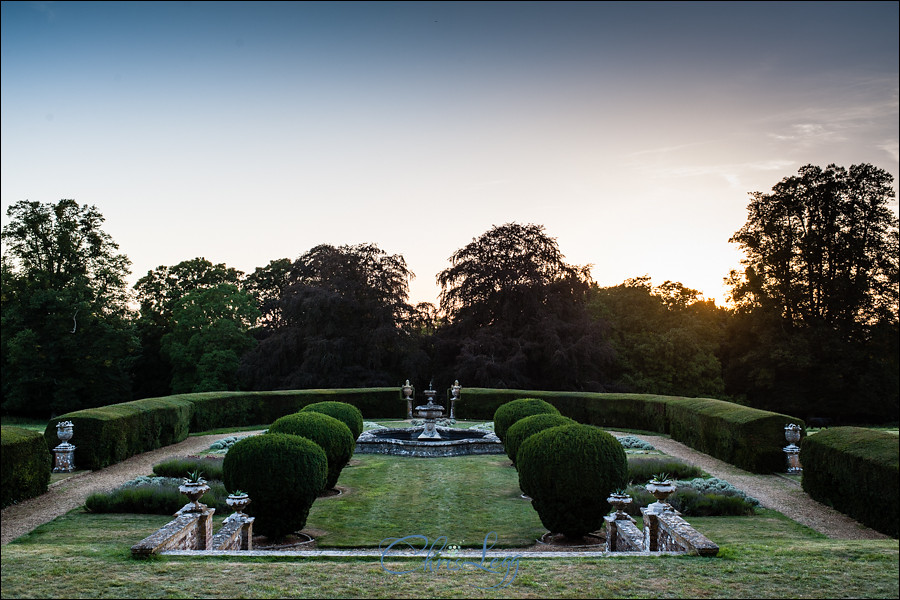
{"x": 405, "y": 441}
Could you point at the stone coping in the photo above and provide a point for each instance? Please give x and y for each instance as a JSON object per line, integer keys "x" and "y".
{"x": 499, "y": 552}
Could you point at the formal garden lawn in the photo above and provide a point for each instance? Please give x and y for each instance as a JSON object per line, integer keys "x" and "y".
{"x": 82, "y": 555}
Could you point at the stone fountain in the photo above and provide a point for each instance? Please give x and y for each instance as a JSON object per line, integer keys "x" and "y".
{"x": 430, "y": 440}
{"x": 430, "y": 412}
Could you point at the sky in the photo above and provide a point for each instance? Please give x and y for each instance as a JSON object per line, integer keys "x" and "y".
{"x": 248, "y": 132}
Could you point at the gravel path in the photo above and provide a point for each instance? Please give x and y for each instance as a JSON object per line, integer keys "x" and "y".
{"x": 772, "y": 491}
{"x": 70, "y": 493}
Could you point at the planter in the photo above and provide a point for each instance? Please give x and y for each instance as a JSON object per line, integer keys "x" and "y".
{"x": 238, "y": 503}
{"x": 194, "y": 490}
{"x": 661, "y": 490}
{"x": 619, "y": 502}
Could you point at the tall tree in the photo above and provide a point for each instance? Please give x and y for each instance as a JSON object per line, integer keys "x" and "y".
{"x": 818, "y": 296}
{"x": 822, "y": 247}
{"x": 516, "y": 315}
{"x": 666, "y": 337}
{"x": 160, "y": 292}
{"x": 343, "y": 322}
{"x": 209, "y": 335}
{"x": 68, "y": 339}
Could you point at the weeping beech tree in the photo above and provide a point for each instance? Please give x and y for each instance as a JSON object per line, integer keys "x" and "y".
{"x": 516, "y": 315}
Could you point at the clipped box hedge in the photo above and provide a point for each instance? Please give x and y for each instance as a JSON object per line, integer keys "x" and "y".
{"x": 213, "y": 410}
{"x": 746, "y": 437}
{"x": 630, "y": 411}
{"x": 26, "y": 463}
{"x": 110, "y": 434}
{"x": 855, "y": 470}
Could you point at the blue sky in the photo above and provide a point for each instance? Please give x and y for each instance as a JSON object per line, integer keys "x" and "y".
{"x": 247, "y": 132}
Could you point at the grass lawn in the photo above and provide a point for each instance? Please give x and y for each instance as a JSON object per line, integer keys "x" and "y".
{"x": 82, "y": 555}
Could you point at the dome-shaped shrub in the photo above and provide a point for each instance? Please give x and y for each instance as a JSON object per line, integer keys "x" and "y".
{"x": 282, "y": 474}
{"x": 509, "y": 413}
{"x": 528, "y": 426}
{"x": 569, "y": 471}
{"x": 348, "y": 414}
{"x": 332, "y": 435}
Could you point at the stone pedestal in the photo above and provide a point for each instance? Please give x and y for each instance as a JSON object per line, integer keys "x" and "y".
{"x": 64, "y": 458}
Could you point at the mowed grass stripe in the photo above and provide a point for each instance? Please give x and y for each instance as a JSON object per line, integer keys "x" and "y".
{"x": 463, "y": 498}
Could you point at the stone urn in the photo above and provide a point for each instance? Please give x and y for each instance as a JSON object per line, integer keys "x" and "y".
{"x": 64, "y": 431}
{"x": 661, "y": 490}
{"x": 792, "y": 450}
{"x": 407, "y": 396}
{"x": 454, "y": 397}
{"x": 237, "y": 502}
{"x": 194, "y": 490}
{"x": 792, "y": 433}
{"x": 619, "y": 501}
{"x": 64, "y": 453}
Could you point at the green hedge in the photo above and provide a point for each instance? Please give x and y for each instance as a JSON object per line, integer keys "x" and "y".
{"x": 26, "y": 463}
{"x": 854, "y": 470}
{"x": 110, "y": 434}
{"x": 629, "y": 411}
{"x": 213, "y": 410}
{"x": 749, "y": 438}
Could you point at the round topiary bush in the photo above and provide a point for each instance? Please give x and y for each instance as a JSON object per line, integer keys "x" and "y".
{"x": 528, "y": 426}
{"x": 348, "y": 414}
{"x": 509, "y": 413}
{"x": 569, "y": 471}
{"x": 332, "y": 435}
{"x": 282, "y": 474}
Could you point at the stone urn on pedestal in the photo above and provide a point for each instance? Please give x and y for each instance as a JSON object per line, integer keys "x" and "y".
{"x": 237, "y": 501}
{"x": 64, "y": 453}
{"x": 193, "y": 487}
{"x": 661, "y": 487}
{"x": 619, "y": 501}
{"x": 454, "y": 397}
{"x": 407, "y": 395}
{"x": 792, "y": 450}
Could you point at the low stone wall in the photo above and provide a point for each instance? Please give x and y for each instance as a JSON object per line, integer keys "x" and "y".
{"x": 663, "y": 532}
{"x": 667, "y": 531}
{"x": 236, "y": 534}
{"x": 192, "y": 530}
{"x": 622, "y": 535}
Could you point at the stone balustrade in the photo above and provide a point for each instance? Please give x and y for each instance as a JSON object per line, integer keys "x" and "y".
{"x": 192, "y": 530}
{"x": 663, "y": 531}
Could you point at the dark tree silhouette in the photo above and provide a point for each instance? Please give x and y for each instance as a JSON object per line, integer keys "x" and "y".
{"x": 817, "y": 323}
{"x": 516, "y": 316}
{"x": 342, "y": 323}
{"x": 67, "y": 340}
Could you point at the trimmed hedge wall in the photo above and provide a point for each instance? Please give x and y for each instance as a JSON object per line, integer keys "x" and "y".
{"x": 213, "y": 410}
{"x": 746, "y": 437}
{"x": 110, "y": 434}
{"x": 855, "y": 470}
{"x": 26, "y": 463}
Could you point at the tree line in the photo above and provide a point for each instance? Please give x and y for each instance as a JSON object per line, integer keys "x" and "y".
{"x": 811, "y": 330}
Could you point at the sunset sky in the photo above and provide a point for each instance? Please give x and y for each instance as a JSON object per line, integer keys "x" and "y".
{"x": 247, "y": 132}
